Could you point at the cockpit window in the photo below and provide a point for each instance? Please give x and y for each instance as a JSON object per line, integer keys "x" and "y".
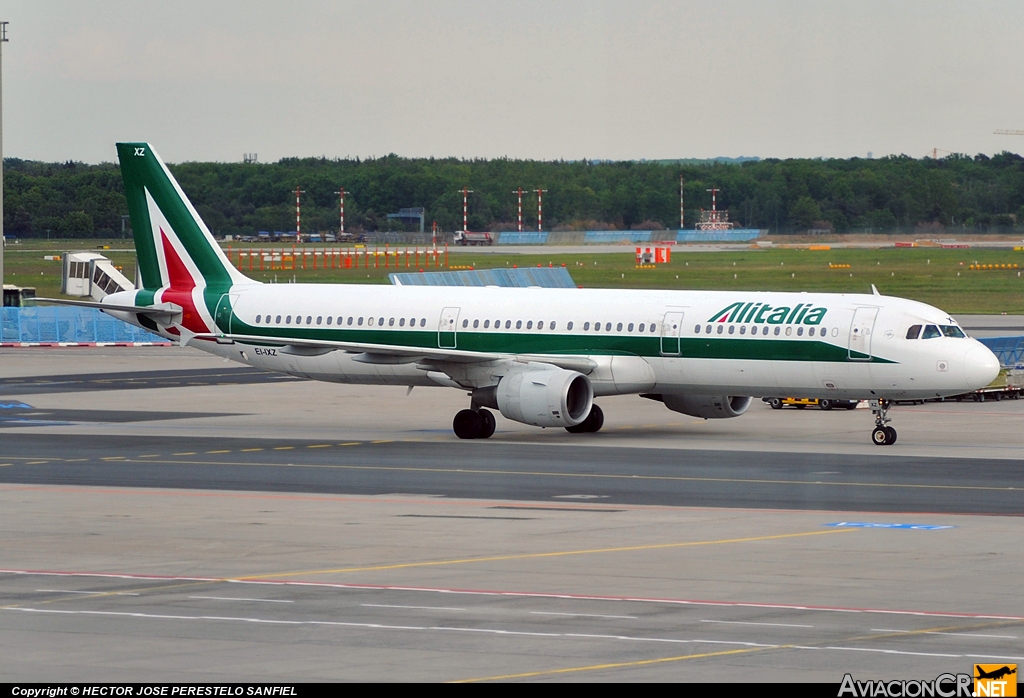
{"x": 953, "y": 331}
{"x": 913, "y": 332}
{"x": 931, "y": 332}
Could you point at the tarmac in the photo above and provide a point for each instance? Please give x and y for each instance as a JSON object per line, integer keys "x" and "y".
{"x": 169, "y": 517}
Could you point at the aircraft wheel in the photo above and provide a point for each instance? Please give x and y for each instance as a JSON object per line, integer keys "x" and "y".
{"x": 800, "y": 407}
{"x": 826, "y": 405}
{"x": 487, "y": 424}
{"x": 593, "y": 422}
{"x": 776, "y": 403}
{"x": 880, "y": 437}
{"x": 852, "y": 405}
{"x": 891, "y": 434}
{"x": 467, "y": 424}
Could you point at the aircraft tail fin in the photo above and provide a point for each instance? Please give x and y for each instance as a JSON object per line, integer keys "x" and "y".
{"x": 175, "y": 248}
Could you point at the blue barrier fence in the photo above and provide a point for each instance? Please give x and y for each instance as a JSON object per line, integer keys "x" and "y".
{"x": 65, "y": 324}
{"x": 522, "y": 238}
{"x": 545, "y": 277}
{"x": 608, "y": 237}
{"x": 737, "y": 235}
{"x": 1010, "y": 350}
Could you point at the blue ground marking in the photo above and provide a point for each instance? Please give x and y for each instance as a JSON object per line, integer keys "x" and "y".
{"x": 865, "y": 524}
{"x": 15, "y": 406}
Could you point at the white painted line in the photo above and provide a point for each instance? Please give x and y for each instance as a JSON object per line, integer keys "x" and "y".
{"x": 579, "y": 615}
{"x": 774, "y": 625}
{"x": 235, "y": 598}
{"x": 937, "y": 632}
{"x": 90, "y": 593}
{"x": 419, "y": 608}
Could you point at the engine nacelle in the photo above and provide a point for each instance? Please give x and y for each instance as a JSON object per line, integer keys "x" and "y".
{"x": 707, "y": 406}
{"x": 551, "y": 397}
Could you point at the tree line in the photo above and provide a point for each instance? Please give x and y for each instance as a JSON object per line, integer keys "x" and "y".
{"x": 957, "y": 192}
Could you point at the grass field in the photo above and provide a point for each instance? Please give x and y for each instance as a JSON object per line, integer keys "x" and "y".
{"x": 940, "y": 277}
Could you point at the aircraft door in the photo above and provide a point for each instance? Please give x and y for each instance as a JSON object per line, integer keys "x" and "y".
{"x": 860, "y": 333}
{"x": 224, "y": 313}
{"x": 671, "y": 328}
{"x": 447, "y": 329}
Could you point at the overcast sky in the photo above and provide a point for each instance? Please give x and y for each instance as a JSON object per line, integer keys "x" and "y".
{"x": 547, "y": 79}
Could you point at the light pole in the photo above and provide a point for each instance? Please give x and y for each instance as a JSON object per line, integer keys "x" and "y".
{"x": 3, "y": 40}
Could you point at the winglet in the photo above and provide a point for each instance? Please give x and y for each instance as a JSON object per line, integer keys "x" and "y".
{"x": 875, "y": 290}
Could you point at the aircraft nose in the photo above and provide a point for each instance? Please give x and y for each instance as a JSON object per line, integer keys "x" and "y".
{"x": 980, "y": 367}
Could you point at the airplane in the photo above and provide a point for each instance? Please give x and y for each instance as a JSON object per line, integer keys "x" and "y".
{"x": 538, "y": 356}
{"x": 995, "y": 674}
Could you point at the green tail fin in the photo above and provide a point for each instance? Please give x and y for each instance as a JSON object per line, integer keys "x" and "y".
{"x": 174, "y": 246}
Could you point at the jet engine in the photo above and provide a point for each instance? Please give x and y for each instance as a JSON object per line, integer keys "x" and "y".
{"x": 705, "y": 406}
{"x": 551, "y": 397}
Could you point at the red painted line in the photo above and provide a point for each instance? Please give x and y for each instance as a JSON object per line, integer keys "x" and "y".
{"x": 523, "y": 594}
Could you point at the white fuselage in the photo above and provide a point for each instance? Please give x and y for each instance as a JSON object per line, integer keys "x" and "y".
{"x": 674, "y": 342}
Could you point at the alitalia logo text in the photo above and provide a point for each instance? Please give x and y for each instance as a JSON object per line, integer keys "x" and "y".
{"x": 761, "y": 313}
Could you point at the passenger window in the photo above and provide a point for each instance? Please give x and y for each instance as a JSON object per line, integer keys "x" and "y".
{"x": 607, "y": 327}
{"x": 800, "y": 331}
{"x": 777, "y": 329}
{"x": 309, "y": 319}
{"x": 288, "y": 320}
{"x": 465, "y": 324}
{"x": 630, "y": 327}
{"x": 765, "y": 330}
{"x": 349, "y": 320}
{"x": 487, "y": 323}
{"x": 519, "y": 324}
{"x": 381, "y": 322}
{"x": 529, "y": 325}
{"x": 653, "y": 327}
{"x": 298, "y": 319}
{"x": 707, "y": 330}
{"x": 508, "y": 324}
{"x": 810, "y": 331}
{"x": 732, "y": 329}
{"x": 360, "y": 322}
{"x": 329, "y": 318}
{"x": 401, "y": 322}
{"x": 586, "y": 325}
{"x": 369, "y": 321}
{"x": 743, "y": 329}
{"x": 789, "y": 331}
{"x": 931, "y": 332}
{"x": 319, "y": 319}
{"x": 551, "y": 325}
{"x": 914, "y": 332}
{"x": 721, "y": 329}
{"x": 423, "y": 322}
{"x": 391, "y": 322}
{"x": 568, "y": 326}
{"x": 618, "y": 328}
{"x": 278, "y": 321}
{"x": 641, "y": 328}
{"x": 257, "y": 317}
{"x": 476, "y": 323}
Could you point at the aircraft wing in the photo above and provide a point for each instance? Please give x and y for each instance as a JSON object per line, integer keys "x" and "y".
{"x": 390, "y": 354}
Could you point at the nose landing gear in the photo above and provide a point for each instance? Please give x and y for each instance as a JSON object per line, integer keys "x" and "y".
{"x": 883, "y": 434}
{"x": 473, "y": 424}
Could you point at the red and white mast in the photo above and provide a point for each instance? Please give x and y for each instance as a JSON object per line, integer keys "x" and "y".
{"x": 540, "y": 217}
{"x": 298, "y": 215}
{"x": 341, "y": 194}
{"x": 465, "y": 208}
{"x": 519, "y": 191}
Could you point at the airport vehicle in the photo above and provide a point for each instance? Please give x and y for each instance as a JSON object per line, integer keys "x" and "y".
{"x": 777, "y": 403}
{"x": 464, "y": 237}
{"x": 539, "y": 356}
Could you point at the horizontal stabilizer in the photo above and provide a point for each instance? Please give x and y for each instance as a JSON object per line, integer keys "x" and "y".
{"x": 165, "y": 310}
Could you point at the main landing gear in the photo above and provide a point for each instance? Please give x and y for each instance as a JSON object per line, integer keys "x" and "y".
{"x": 883, "y": 434}
{"x": 474, "y": 424}
{"x": 593, "y": 422}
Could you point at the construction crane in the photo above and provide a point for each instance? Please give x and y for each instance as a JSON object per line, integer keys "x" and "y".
{"x": 934, "y": 154}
